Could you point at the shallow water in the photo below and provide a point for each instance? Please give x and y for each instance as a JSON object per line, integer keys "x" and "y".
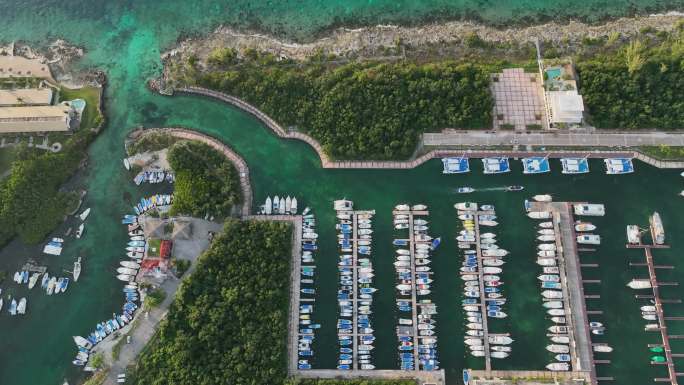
{"x": 124, "y": 38}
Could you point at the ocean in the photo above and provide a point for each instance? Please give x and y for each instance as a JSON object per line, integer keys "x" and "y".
{"x": 124, "y": 38}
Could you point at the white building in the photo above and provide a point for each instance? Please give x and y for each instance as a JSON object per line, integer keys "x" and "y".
{"x": 565, "y": 106}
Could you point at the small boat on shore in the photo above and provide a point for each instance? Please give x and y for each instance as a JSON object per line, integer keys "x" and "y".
{"x": 84, "y": 214}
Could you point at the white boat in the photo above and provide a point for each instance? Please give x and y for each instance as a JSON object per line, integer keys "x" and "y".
{"x": 549, "y": 278}
{"x": 500, "y": 340}
{"x": 558, "y": 320}
{"x": 33, "y": 280}
{"x": 546, "y": 225}
{"x": 589, "y": 239}
{"x": 590, "y": 209}
{"x": 560, "y": 339}
{"x": 546, "y": 232}
{"x": 129, "y": 264}
{"x": 547, "y": 247}
{"x": 558, "y": 367}
{"x": 546, "y": 262}
{"x": 546, "y": 238}
{"x": 473, "y": 341}
{"x": 402, "y": 207}
{"x": 633, "y": 234}
{"x": 552, "y": 294}
{"x": 551, "y": 270}
{"x": 492, "y": 262}
{"x": 293, "y": 206}
{"x": 639, "y": 284}
{"x": 84, "y": 214}
{"x": 491, "y": 270}
{"x": 466, "y": 206}
{"x": 584, "y": 226}
{"x": 602, "y": 348}
{"x": 124, "y": 277}
{"x": 648, "y": 308}
{"x": 276, "y": 204}
{"x": 465, "y": 190}
{"x": 127, "y": 271}
{"x": 21, "y": 307}
{"x": 553, "y": 305}
{"x": 546, "y": 253}
{"x": 268, "y": 206}
{"x": 494, "y": 253}
{"x": 498, "y": 354}
{"x": 488, "y": 223}
{"x": 542, "y": 198}
{"x": 555, "y": 348}
{"x": 474, "y": 326}
{"x": 79, "y": 231}
{"x": 288, "y": 204}
{"x": 556, "y": 312}
{"x": 419, "y": 207}
{"x": 539, "y": 214}
{"x": 51, "y": 285}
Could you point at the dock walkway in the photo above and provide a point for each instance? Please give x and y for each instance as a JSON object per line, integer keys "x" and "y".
{"x": 483, "y": 295}
{"x": 662, "y": 329}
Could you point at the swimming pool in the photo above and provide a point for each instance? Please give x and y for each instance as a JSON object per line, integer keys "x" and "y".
{"x": 553, "y": 73}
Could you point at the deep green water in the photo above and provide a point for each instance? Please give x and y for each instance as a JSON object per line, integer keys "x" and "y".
{"x": 125, "y": 38}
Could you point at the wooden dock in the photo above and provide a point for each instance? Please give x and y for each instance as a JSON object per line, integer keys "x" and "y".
{"x": 483, "y": 295}
{"x": 650, "y": 263}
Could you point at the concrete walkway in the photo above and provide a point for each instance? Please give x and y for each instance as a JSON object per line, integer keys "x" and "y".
{"x": 564, "y": 139}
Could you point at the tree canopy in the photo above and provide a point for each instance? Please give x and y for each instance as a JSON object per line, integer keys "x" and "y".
{"x": 228, "y": 323}
{"x": 359, "y": 110}
{"x": 639, "y": 86}
{"x": 206, "y": 181}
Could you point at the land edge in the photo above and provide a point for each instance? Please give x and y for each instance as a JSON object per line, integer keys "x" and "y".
{"x": 344, "y": 41}
{"x": 224, "y": 149}
{"x": 416, "y": 160}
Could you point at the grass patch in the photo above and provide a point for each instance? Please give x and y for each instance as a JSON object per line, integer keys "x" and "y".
{"x": 91, "y": 115}
{"x": 97, "y": 378}
{"x": 663, "y": 152}
{"x": 151, "y": 142}
{"x": 154, "y": 298}
{"x": 154, "y": 246}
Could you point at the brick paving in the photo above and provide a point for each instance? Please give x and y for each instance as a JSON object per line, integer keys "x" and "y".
{"x": 519, "y": 99}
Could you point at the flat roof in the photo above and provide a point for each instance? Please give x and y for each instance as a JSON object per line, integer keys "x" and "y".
{"x": 33, "y": 113}
{"x": 27, "y": 97}
{"x": 18, "y": 66}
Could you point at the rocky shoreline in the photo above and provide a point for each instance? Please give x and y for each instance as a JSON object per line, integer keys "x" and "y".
{"x": 380, "y": 39}
{"x": 61, "y": 57}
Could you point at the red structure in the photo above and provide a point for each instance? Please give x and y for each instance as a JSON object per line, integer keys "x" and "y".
{"x": 165, "y": 249}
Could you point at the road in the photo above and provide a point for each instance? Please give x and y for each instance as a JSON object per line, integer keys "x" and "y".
{"x": 584, "y": 139}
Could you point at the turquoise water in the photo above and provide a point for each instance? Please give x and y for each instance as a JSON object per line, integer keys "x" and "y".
{"x": 125, "y": 38}
{"x": 553, "y": 73}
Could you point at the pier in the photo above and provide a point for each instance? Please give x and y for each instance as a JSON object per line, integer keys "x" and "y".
{"x": 658, "y": 302}
{"x": 483, "y": 295}
{"x": 414, "y": 295}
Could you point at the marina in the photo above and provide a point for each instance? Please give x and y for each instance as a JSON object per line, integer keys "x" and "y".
{"x": 654, "y": 310}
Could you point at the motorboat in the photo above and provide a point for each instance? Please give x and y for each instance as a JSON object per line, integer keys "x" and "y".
{"x": 33, "y": 280}
{"x": 556, "y": 348}
{"x": 558, "y": 329}
{"x": 584, "y": 226}
{"x": 402, "y": 207}
{"x": 465, "y": 190}
{"x": 515, "y": 188}
{"x": 546, "y": 261}
{"x": 546, "y": 253}
{"x": 551, "y": 270}
{"x": 419, "y": 207}
{"x": 546, "y": 238}
{"x": 558, "y": 367}
{"x": 602, "y": 349}
{"x": 492, "y": 262}
{"x": 79, "y": 231}
{"x": 21, "y": 307}
{"x": 552, "y": 294}
{"x": 542, "y": 198}
{"x": 590, "y": 209}
{"x": 560, "y": 339}
{"x": 466, "y": 206}
{"x": 648, "y": 308}
{"x": 549, "y": 278}
{"x": 546, "y": 232}
{"x": 546, "y": 225}
{"x": 558, "y": 320}
{"x": 84, "y": 215}
{"x": 589, "y": 239}
{"x": 547, "y": 246}
{"x": 539, "y": 214}
{"x": 639, "y": 284}
{"x": 77, "y": 269}
{"x": 500, "y": 340}
{"x": 563, "y": 357}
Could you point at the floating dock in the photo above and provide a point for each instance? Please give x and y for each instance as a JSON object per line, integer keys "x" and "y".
{"x": 658, "y": 302}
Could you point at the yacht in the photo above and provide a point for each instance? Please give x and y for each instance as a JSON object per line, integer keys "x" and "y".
{"x": 590, "y": 209}
{"x": 77, "y": 269}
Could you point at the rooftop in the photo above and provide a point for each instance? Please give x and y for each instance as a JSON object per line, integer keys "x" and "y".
{"x": 18, "y": 66}
{"x": 25, "y": 97}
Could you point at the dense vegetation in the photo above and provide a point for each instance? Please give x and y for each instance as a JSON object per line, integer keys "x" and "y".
{"x": 350, "y": 382}
{"x": 31, "y": 203}
{"x": 228, "y": 323}
{"x": 154, "y": 141}
{"x": 358, "y": 110}
{"x": 206, "y": 181}
{"x": 638, "y": 86}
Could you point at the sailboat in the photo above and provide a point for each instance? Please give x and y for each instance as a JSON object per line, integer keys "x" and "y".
{"x": 77, "y": 269}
